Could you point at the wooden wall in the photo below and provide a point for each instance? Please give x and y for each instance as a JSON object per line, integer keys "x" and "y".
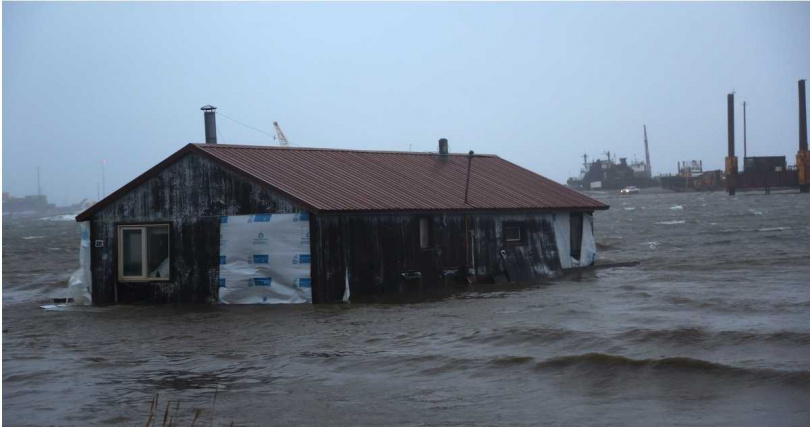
{"x": 374, "y": 250}
{"x": 190, "y": 195}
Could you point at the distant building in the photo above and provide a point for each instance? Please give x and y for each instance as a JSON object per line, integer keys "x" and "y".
{"x": 27, "y": 204}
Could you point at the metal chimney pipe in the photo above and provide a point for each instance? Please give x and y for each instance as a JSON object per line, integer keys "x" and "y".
{"x": 210, "y": 124}
{"x": 443, "y": 148}
{"x": 802, "y": 118}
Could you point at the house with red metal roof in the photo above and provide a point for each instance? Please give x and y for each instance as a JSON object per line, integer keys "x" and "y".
{"x": 353, "y": 222}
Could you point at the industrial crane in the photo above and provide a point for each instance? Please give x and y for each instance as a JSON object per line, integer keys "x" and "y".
{"x": 282, "y": 140}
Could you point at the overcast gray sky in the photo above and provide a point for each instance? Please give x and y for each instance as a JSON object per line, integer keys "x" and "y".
{"x": 538, "y": 84}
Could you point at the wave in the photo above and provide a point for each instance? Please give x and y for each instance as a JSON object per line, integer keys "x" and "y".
{"x": 744, "y": 306}
{"x": 671, "y": 222}
{"x": 720, "y": 338}
{"x": 677, "y": 208}
{"x": 527, "y": 336}
{"x": 610, "y": 363}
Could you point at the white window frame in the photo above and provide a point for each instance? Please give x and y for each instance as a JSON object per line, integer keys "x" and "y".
{"x": 520, "y": 233}
{"x": 144, "y": 277}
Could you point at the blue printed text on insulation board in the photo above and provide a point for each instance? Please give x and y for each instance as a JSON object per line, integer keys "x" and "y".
{"x": 301, "y": 259}
{"x": 260, "y": 259}
{"x": 260, "y": 281}
{"x": 260, "y": 218}
{"x": 303, "y": 282}
{"x": 222, "y": 260}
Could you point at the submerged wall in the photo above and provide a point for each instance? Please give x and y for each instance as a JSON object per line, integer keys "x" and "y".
{"x": 380, "y": 253}
{"x": 190, "y": 195}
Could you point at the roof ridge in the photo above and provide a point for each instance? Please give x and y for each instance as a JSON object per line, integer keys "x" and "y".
{"x": 342, "y": 150}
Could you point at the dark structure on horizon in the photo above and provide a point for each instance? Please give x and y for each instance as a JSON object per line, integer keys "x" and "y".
{"x": 381, "y": 222}
{"x": 692, "y": 177}
{"x": 770, "y": 171}
{"x": 609, "y": 175}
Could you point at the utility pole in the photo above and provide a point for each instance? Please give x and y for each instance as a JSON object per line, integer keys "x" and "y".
{"x": 98, "y": 191}
{"x": 103, "y": 178}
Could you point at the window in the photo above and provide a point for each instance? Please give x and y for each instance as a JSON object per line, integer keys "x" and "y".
{"x": 143, "y": 252}
{"x": 576, "y": 234}
{"x": 512, "y": 234}
{"x": 424, "y": 233}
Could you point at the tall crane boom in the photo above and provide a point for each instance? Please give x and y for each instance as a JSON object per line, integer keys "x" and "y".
{"x": 647, "y": 152}
{"x": 282, "y": 140}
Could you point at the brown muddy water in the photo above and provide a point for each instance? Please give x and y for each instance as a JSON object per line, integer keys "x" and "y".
{"x": 712, "y": 328}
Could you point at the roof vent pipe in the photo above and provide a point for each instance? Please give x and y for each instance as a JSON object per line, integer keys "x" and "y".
{"x": 210, "y": 124}
{"x": 443, "y": 150}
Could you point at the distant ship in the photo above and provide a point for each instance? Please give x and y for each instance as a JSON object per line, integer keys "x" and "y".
{"x": 607, "y": 174}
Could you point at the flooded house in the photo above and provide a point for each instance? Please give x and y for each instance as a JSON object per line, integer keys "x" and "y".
{"x": 265, "y": 224}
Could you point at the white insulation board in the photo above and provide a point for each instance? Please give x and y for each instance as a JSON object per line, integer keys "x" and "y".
{"x": 264, "y": 259}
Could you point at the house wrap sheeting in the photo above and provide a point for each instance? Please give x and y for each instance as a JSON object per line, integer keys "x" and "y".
{"x": 80, "y": 284}
{"x": 264, "y": 259}
{"x": 562, "y": 233}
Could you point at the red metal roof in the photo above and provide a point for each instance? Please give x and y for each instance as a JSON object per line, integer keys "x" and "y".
{"x": 349, "y": 180}
{"x": 329, "y": 180}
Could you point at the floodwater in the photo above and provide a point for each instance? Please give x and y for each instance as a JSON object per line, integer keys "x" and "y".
{"x": 712, "y": 328}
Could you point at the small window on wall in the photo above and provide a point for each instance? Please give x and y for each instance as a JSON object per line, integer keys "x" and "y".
{"x": 576, "y": 234}
{"x": 143, "y": 252}
{"x": 513, "y": 233}
{"x": 424, "y": 233}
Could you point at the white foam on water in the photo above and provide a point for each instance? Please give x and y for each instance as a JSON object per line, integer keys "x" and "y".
{"x": 66, "y": 217}
{"x": 630, "y": 209}
{"x": 754, "y": 212}
{"x": 677, "y": 208}
{"x": 652, "y": 245}
{"x": 672, "y": 222}
{"x": 774, "y": 229}
{"x": 33, "y": 237}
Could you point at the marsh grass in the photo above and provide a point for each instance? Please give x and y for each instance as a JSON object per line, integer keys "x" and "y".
{"x": 172, "y": 417}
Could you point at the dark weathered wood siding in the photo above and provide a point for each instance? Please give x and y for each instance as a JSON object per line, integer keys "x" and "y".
{"x": 371, "y": 251}
{"x": 190, "y": 195}
{"x": 374, "y": 250}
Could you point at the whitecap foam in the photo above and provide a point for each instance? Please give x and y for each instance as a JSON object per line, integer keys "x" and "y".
{"x": 652, "y": 245}
{"x": 66, "y": 217}
{"x": 677, "y": 208}
{"x": 33, "y": 237}
{"x": 774, "y": 229}
{"x": 630, "y": 209}
{"x": 671, "y": 222}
